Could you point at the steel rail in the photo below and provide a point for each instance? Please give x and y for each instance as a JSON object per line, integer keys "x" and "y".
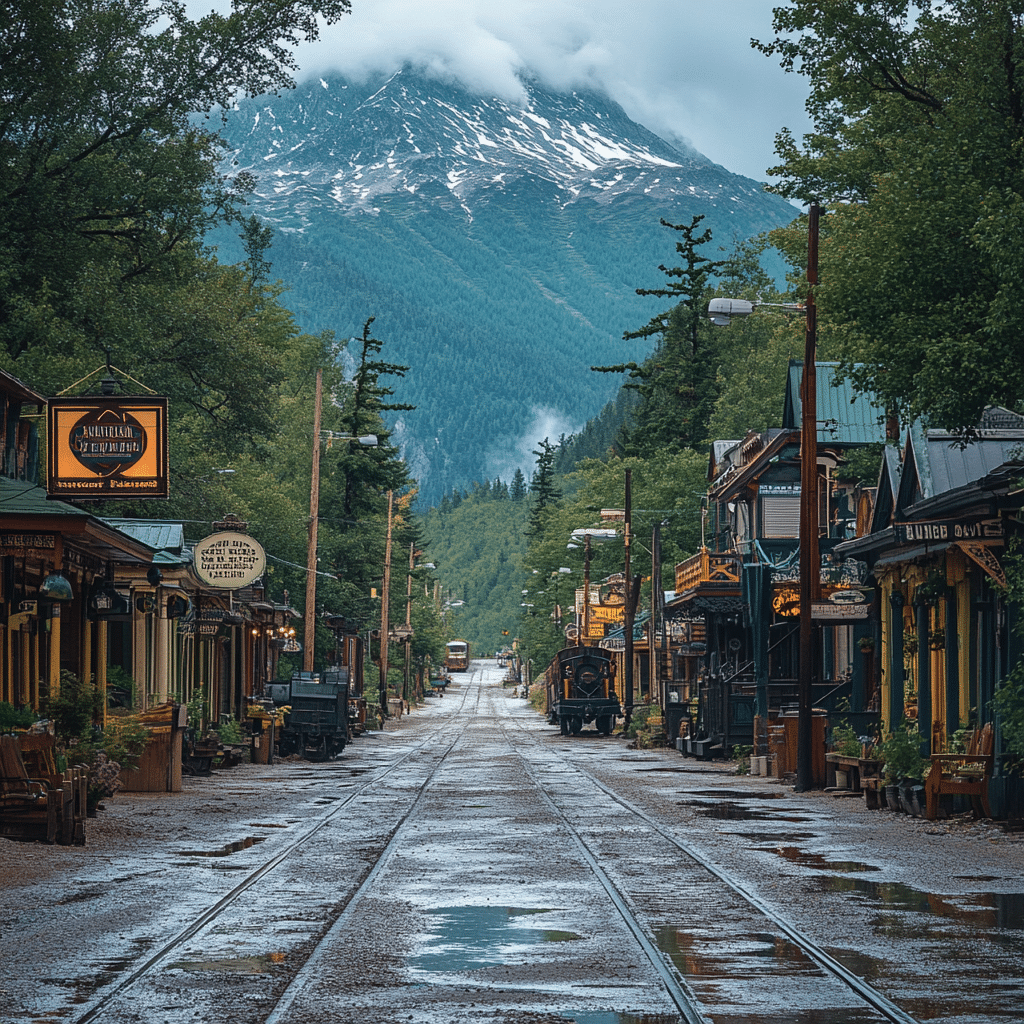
{"x": 679, "y": 992}
{"x": 824, "y": 960}
{"x": 216, "y": 909}
{"x": 295, "y": 986}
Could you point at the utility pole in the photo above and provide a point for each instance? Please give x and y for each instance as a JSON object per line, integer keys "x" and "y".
{"x": 630, "y": 607}
{"x": 384, "y": 624}
{"x": 586, "y": 590}
{"x": 309, "y": 637}
{"x": 408, "y": 622}
{"x": 810, "y": 560}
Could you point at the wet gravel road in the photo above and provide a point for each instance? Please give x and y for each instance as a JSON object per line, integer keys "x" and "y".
{"x": 470, "y": 864}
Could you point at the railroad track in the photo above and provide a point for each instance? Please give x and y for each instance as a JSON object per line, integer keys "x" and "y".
{"x": 572, "y": 803}
{"x": 130, "y": 977}
{"x": 570, "y": 796}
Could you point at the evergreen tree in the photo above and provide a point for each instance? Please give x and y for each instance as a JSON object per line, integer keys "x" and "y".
{"x": 678, "y": 382}
{"x": 543, "y": 488}
{"x": 915, "y": 151}
{"x": 517, "y": 490}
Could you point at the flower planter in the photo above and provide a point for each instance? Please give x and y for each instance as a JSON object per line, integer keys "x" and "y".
{"x": 912, "y": 797}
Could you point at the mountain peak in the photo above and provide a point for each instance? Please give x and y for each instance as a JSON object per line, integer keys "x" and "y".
{"x": 410, "y": 131}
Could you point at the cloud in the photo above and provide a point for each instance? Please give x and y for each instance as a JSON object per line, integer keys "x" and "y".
{"x": 683, "y": 68}
{"x": 517, "y": 453}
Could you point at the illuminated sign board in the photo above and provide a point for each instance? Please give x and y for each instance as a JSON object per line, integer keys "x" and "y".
{"x": 106, "y": 447}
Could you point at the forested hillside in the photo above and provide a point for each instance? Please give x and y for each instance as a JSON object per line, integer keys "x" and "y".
{"x": 500, "y": 257}
{"x": 477, "y": 543}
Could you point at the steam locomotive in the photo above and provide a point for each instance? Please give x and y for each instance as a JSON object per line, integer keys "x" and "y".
{"x": 580, "y": 687}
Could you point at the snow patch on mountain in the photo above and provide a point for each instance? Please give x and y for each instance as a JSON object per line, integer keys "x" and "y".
{"x": 355, "y": 144}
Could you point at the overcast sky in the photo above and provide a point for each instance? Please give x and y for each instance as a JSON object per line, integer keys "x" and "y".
{"x": 683, "y": 68}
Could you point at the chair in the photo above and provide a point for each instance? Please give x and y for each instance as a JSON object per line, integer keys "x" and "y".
{"x": 29, "y": 808}
{"x": 964, "y": 774}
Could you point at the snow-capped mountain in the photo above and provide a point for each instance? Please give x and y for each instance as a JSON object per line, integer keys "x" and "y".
{"x": 364, "y": 142}
{"x": 485, "y": 236}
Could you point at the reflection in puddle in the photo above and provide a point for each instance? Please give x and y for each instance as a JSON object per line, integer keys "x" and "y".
{"x": 736, "y": 812}
{"x": 983, "y": 910}
{"x": 238, "y": 965}
{"x": 815, "y": 860}
{"x": 469, "y": 938}
{"x": 701, "y": 955}
{"x": 738, "y": 794}
{"x": 226, "y": 850}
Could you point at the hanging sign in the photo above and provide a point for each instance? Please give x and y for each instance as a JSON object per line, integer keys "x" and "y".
{"x": 106, "y": 447}
{"x": 229, "y": 560}
{"x": 825, "y": 611}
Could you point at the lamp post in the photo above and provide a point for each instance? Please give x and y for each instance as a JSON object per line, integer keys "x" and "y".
{"x": 368, "y": 440}
{"x": 721, "y": 311}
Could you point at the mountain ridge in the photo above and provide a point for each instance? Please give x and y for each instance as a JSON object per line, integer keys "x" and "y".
{"x": 499, "y": 246}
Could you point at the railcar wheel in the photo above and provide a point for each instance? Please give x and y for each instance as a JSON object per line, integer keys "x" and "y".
{"x": 577, "y": 724}
{"x": 563, "y": 723}
{"x": 317, "y": 751}
{"x": 604, "y": 725}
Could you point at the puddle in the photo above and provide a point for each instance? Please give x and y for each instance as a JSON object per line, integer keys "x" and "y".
{"x": 83, "y": 897}
{"x": 736, "y": 812}
{"x": 241, "y": 965}
{"x": 470, "y": 938}
{"x": 736, "y": 794}
{"x": 998, "y": 910}
{"x": 702, "y": 955}
{"x": 776, "y": 837}
{"x": 606, "y": 1017}
{"x": 226, "y": 850}
{"x": 815, "y": 860}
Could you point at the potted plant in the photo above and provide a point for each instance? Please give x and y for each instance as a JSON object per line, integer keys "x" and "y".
{"x": 903, "y": 767}
{"x": 866, "y": 644}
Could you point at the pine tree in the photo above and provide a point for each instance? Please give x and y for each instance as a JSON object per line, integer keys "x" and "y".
{"x": 678, "y": 382}
{"x": 543, "y": 488}
{"x": 517, "y": 490}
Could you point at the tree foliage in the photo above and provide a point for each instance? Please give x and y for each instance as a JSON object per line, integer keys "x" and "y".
{"x": 678, "y": 381}
{"x": 917, "y": 142}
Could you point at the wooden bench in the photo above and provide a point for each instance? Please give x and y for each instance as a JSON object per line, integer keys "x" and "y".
{"x": 28, "y": 807}
{"x": 964, "y": 774}
{"x": 30, "y": 758}
{"x": 854, "y": 768}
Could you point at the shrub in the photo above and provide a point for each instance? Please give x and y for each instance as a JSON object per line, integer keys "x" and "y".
{"x": 845, "y": 740}
{"x": 15, "y": 718}
{"x": 900, "y": 751}
{"x": 74, "y": 708}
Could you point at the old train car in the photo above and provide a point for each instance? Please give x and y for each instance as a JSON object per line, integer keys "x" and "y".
{"x": 580, "y": 685}
{"x": 456, "y": 655}
{"x": 316, "y": 722}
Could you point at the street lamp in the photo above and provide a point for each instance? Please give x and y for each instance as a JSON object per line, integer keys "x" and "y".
{"x": 721, "y": 311}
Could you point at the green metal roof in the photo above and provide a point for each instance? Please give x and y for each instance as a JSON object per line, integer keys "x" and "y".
{"x": 21, "y": 498}
{"x": 845, "y": 416}
{"x": 160, "y": 534}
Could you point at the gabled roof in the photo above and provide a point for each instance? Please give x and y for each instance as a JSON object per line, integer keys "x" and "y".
{"x": 936, "y": 462}
{"x": 845, "y": 416}
{"x": 19, "y": 390}
{"x": 22, "y": 502}
{"x": 888, "y": 487}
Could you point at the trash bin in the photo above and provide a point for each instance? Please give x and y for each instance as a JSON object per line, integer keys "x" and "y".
{"x": 262, "y": 746}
